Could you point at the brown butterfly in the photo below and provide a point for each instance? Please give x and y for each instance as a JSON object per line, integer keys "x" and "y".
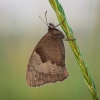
{"x": 47, "y": 61}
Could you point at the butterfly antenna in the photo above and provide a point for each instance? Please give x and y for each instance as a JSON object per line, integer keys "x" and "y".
{"x": 46, "y": 16}
{"x": 43, "y": 21}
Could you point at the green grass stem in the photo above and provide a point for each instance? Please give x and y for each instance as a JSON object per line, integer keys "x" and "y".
{"x": 75, "y": 48}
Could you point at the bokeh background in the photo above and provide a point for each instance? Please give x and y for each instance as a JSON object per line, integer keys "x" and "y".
{"x": 21, "y": 29}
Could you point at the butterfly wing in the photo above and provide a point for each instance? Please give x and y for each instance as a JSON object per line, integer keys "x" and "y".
{"x": 47, "y": 62}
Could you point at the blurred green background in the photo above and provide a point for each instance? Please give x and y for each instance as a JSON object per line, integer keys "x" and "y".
{"x": 21, "y": 29}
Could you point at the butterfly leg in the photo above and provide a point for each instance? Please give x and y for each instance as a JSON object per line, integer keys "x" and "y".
{"x": 66, "y": 39}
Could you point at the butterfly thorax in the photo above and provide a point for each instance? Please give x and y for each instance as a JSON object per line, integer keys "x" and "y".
{"x": 54, "y": 31}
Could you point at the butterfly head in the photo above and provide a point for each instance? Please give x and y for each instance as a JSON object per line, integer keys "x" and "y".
{"x": 51, "y": 26}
